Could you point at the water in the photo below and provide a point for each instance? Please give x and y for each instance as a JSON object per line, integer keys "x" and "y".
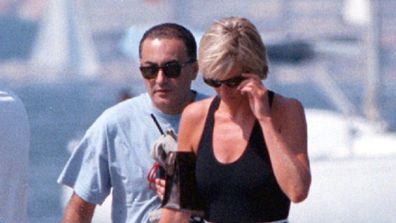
{"x": 59, "y": 112}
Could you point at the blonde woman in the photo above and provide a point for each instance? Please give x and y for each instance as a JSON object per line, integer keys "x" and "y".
{"x": 250, "y": 143}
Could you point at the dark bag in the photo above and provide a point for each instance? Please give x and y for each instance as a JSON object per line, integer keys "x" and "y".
{"x": 181, "y": 189}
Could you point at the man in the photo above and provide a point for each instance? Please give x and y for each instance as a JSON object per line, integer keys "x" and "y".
{"x": 14, "y": 158}
{"x": 115, "y": 151}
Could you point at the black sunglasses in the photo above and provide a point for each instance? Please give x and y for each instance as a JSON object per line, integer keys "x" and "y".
{"x": 232, "y": 82}
{"x": 171, "y": 69}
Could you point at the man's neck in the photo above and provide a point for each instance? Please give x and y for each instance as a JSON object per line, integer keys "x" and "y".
{"x": 178, "y": 108}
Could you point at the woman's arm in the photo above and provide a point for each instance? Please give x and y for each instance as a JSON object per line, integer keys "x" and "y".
{"x": 286, "y": 138}
{"x": 285, "y": 133}
{"x": 171, "y": 216}
{"x": 191, "y": 125}
{"x": 190, "y": 129}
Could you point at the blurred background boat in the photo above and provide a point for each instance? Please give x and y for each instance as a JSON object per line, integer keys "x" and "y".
{"x": 69, "y": 60}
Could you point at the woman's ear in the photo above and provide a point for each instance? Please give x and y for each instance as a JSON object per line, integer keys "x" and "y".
{"x": 265, "y": 72}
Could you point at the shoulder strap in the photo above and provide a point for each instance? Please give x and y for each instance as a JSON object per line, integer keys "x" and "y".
{"x": 214, "y": 105}
{"x": 206, "y": 137}
{"x": 212, "y": 108}
{"x": 271, "y": 95}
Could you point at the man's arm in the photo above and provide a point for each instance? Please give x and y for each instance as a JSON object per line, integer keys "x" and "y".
{"x": 78, "y": 210}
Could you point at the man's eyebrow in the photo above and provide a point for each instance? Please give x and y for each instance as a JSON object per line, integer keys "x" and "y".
{"x": 149, "y": 63}
{"x": 172, "y": 61}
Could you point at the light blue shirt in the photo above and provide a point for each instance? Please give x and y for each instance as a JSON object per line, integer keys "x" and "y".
{"x": 115, "y": 153}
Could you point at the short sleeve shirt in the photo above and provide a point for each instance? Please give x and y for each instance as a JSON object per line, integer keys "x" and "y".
{"x": 115, "y": 154}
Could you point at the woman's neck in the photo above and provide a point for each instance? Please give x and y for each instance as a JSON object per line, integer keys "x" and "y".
{"x": 235, "y": 110}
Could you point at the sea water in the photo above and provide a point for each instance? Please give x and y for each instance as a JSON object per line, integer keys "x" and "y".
{"x": 58, "y": 113}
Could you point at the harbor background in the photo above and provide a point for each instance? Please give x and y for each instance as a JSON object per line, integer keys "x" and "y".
{"x": 64, "y": 99}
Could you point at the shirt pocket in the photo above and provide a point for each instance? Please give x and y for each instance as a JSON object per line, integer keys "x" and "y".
{"x": 137, "y": 188}
{"x": 134, "y": 168}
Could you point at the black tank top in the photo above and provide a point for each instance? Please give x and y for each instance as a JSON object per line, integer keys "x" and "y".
{"x": 242, "y": 191}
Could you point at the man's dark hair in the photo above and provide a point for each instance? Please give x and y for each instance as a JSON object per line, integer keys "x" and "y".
{"x": 169, "y": 31}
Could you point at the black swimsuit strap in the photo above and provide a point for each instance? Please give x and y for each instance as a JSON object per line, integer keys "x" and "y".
{"x": 213, "y": 107}
{"x": 271, "y": 95}
{"x": 214, "y": 104}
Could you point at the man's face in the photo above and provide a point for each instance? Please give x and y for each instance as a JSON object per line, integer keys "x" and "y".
{"x": 168, "y": 94}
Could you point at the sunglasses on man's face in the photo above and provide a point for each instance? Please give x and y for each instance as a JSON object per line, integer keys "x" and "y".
{"x": 232, "y": 82}
{"x": 171, "y": 69}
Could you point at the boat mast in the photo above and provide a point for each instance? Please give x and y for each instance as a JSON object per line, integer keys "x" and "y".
{"x": 373, "y": 47}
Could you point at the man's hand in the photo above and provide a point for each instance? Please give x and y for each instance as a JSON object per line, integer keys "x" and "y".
{"x": 160, "y": 187}
{"x": 163, "y": 145}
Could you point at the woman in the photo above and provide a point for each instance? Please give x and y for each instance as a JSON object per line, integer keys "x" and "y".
{"x": 250, "y": 143}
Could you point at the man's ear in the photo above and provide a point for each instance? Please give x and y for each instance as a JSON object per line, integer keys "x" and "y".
{"x": 195, "y": 69}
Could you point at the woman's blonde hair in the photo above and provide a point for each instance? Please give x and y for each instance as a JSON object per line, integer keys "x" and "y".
{"x": 229, "y": 42}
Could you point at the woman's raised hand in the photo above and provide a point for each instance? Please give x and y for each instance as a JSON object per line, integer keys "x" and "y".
{"x": 257, "y": 94}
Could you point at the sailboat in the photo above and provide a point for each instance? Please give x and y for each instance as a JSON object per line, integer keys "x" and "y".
{"x": 63, "y": 45}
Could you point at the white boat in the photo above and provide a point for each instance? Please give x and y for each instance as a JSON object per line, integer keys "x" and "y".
{"x": 349, "y": 190}
{"x": 353, "y": 166}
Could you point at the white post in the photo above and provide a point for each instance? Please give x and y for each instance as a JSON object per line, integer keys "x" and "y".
{"x": 373, "y": 63}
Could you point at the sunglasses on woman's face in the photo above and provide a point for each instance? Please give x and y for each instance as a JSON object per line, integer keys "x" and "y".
{"x": 232, "y": 82}
{"x": 171, "y": 69}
